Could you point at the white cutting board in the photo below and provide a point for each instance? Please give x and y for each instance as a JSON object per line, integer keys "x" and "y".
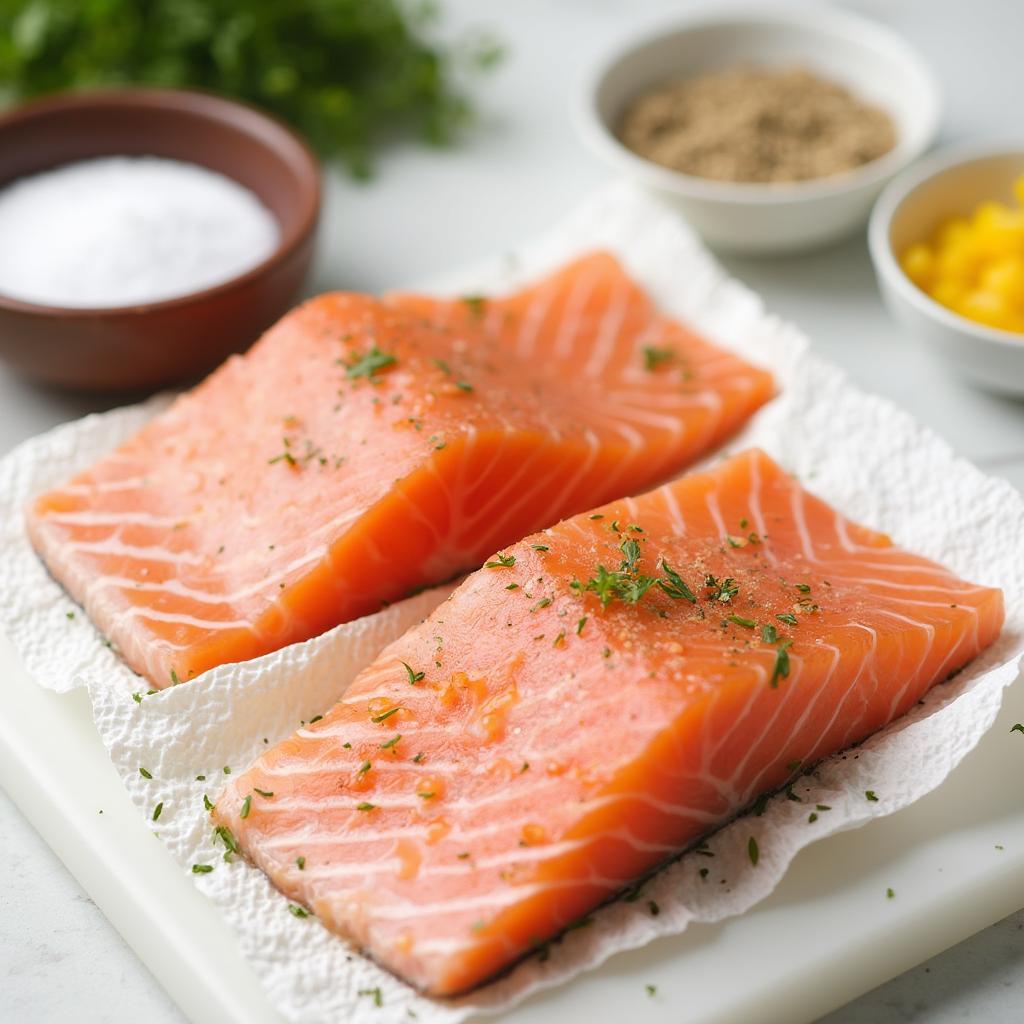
{"x": 826, "y": 935}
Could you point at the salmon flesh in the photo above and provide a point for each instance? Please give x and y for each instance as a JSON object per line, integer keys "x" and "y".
{"x": 587, "y": 705}
{"x": 364, "y": 449}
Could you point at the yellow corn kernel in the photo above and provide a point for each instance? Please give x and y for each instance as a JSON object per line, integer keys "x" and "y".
{"x": 919, "y": 265}
{"x": 985, "y": 308}
{"x": 948, "y": 292}
{"x": 1005, "y": 278}
{"x": 957, "y": 229}
{"x": 959, "y": 261}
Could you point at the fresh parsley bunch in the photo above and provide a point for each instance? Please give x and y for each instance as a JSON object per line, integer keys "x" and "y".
{"x": 346, "y": 73}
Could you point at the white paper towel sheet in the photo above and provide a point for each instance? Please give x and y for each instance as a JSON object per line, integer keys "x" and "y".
{"x": 859, "y": 452}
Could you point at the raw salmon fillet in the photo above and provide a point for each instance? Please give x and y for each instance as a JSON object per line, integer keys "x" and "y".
{"x": 363, "y": 449}
{"x": 556, "y": 730}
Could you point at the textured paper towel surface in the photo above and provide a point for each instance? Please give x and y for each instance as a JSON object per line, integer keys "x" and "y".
{"x": 859, "y": 452}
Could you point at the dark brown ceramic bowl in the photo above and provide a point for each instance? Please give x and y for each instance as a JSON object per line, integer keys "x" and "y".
{"x": 142, "y": 347}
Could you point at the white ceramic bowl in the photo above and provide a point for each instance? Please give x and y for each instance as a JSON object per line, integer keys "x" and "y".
{"x": 946, "y": 185}
{"x": 870, "y": 60}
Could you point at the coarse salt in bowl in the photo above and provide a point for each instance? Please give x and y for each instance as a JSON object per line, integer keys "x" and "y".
{"x": 119, "y": 230}
{"x": 148, "y": 343}
{"x": 874, "y": 63}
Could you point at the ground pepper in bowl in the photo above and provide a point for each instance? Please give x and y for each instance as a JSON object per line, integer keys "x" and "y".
{"x": 756, "y": 124}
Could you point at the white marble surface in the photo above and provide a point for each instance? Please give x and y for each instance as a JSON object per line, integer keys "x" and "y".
{"x": 59, "y": 958}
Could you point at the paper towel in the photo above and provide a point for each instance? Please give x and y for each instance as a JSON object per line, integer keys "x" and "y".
{"x": 859, "y": 452}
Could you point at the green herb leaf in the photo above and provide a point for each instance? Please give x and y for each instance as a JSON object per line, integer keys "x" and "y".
{"x": 1018, "y": 727}
{"x": 769, "y": 634}
{"x": 385, "y": 715}
{"x": 157, "y": 810}
{"x": 300, "y": 863}
{"x": 753, "y": 852}
{"x": 389, "y": 745}
{"x": 201, "y": 869}
{"x": 375, "y": 993}
{"x": 365, "y": 805}
{"x": 145, "y": 773}
{"x": 871, "y": 796}
{"x": 246, "y": 807}
{"x": 738, "y": 620}
{"x": 268, "y": 793}
{"x": 780, "y": 670}
{"x": 789, "y": 620}
{"x": 674, "y": 585}
{"x": 296, "y": 911}
{"x": 501, "y": 561}
{"x": 414, "y": 677}
{"x": 655, "y": 357}
{"x": 370, "y": 364}
{"x": 225, "y": 835}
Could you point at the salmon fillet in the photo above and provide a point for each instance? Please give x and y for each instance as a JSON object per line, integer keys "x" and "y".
{"x": 596, "y": 699}
{"x": 363, "y": 449}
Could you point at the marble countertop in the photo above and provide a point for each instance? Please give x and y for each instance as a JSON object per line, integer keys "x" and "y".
{"x": 427, "y": 210}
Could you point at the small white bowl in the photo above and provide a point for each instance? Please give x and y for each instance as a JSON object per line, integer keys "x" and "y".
{"x": 948, "y": 184}
{"x": 870, "y": 60}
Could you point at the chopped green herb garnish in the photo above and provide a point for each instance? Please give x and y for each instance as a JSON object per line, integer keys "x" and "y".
{"x": 370, "y": 364}
{"x": 812, "y": 817}
{"x": 596, "y": 515}
{"x": 1018, "y": 727}
{"x": 157, "y": 810}
{"x": 790, "y": 620}
{"x": 464, "y": 385}
{"x": 738, "y": 620}
{"x": 283, "y": 457}
{"x": 414, "y": 677}
{"x": 653, "y": 908}
{"x": 174, "y": 678}
{"x": 753, "y": 852}
{"x": 315, "y": 719}
{"x": 391, "y": 742}
{"x": 871, "y": 795}
{"x": 501, "y": 561}
{"x": 890, "y": 894}
{"x": 347, "y": 746}
{"x": 579, "y": 625}
{"x": 268, "y": 793}
{"x": 200, "y": 778}
{"x": 300, "y": 863}
{"x": 674, "y": 585}
{"x": 418, "y": 759}
{"x": 609, "y": 586}
{"x": 207, "y": 803}
{"x": 630, "y": 554}
{"x": 769, "y": 634}
{"x": 804, "y": 588}
{"x": 780, "y": 670}
{"x": 722, "y": 591}
{"x": 365, "y": 767}
{"x": 201, "y": 869}
{"x": 385, "y": 715}
{"x": 246, "y": 807}
{"x": 512, "y": 586}
{"x": 296, "y": 911}
{"x": 225, "y": 835}
{"x": 476, "y": 304}
{"x": 375, "y": 993}
{"x": 540, "y": 547}
{"x": 145, "y": 773}
{"x": 652, "y": 990}
{"x": 227, "y": 769}
{"x": 365, "y": 806}
{"x": 462, "y": 856}
{"x": 426, "y": 796}
{"x": 655, "y": 357}
{"x": 69, "y": 615}
{"x": 137, "y": 697}
{"x": 442, "y": 366}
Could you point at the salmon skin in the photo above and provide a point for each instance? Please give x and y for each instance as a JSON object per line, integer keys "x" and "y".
{"x": 586, "y": 706}
{"x": 364, "y": 449}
